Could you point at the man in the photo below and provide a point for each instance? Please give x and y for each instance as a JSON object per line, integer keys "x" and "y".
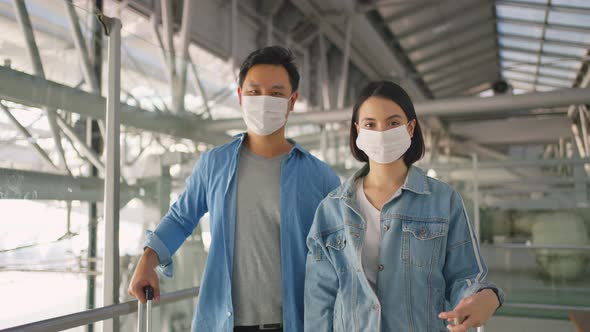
{"x": 261, "y": 191}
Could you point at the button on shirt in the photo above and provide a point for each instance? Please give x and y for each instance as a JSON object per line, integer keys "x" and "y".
{"x": 372, "y": 242}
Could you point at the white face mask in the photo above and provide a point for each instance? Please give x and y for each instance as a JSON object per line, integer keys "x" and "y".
{"x": 384, "y": 147}
{"x": 265, "y": 114}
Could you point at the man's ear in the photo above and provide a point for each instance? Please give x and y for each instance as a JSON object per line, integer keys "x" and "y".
{"x": 240, "y": 95}
{"x": 294, "y": 98}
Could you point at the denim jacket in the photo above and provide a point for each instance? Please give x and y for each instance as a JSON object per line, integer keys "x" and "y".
{"x": 429, "y": 260}
{"x": 305, "y": 181}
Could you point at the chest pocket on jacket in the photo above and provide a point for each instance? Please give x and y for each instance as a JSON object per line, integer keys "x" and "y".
{"x": 335, "y": 243}
{"x": 421, "y": 241}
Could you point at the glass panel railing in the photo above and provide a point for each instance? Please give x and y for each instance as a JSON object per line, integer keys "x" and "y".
{"x": 553, "y": 278}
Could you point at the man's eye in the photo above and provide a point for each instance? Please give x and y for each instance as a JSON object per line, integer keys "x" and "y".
{"x": 277, "y": 94}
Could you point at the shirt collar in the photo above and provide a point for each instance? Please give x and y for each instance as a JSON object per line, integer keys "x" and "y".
{"x": 296, "y": 147}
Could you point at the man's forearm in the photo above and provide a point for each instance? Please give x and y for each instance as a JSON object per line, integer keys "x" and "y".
{"x": 150, "y": 258}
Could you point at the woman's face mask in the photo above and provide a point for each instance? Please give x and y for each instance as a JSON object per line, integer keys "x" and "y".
{"x": 384, "y": 147}
{"x": 384, "y": 132}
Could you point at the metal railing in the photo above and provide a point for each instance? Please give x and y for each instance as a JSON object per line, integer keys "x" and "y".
{"x": 94, "y": 315}
{"x": 538, "y": 246}
{"x": 545, "y": 306}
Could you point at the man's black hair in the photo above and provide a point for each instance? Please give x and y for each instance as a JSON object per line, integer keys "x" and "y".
{"x": 272, "y": 55}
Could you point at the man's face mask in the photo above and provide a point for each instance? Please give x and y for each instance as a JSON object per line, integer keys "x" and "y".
{"x": 265, "y": 114}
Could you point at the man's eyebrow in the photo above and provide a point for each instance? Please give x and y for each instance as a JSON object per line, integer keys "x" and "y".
{"x": 254, "y": 84}
{"x": 278, "y": 86}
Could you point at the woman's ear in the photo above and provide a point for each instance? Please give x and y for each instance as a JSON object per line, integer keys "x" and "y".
{"x": 411, "y": 126}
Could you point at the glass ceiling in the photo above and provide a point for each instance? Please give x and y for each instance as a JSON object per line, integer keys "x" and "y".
{"x": 534, "y": 44}
{"x": 543, "y": 43}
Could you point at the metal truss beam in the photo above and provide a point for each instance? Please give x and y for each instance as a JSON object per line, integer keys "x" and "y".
{"x": 28, "y": 135}
{"x": 41, "y": 92}
{"x": 445, "y": 107}
{"x": 32, "y": 185}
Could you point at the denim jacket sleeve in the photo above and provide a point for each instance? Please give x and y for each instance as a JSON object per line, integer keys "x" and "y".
{"x": 321, "y": 281}
{"x": 464, "y": 268}
{"x": 181, "y": 219}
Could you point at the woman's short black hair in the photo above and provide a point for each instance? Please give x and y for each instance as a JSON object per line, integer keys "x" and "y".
{"x": 272, "y": 55}
{"x": 395, "y": 93}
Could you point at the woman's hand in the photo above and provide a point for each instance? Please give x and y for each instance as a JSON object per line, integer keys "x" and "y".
{"x": 472, "y": 311}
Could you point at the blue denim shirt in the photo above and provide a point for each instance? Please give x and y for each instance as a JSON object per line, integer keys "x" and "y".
{"x": 305, "y": 181}
{"x": 429, "y": 260}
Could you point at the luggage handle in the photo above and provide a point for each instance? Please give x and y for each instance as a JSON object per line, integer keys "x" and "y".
{"x": 144, "y": 321}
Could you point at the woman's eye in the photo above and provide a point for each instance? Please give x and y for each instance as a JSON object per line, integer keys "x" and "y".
{"x": 395, "y": 124}
{"x": 368, "y": 125}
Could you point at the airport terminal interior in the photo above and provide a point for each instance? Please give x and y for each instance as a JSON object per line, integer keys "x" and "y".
{"x": 500, "y": 88}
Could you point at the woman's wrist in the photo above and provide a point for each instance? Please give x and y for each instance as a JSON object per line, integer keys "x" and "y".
{"x": 493, "y": 293}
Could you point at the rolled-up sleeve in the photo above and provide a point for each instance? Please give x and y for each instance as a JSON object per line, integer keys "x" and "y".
{"x": 153, "y": 241}
{"x": 181, "y": 219}
{"x": 464, "y": 270}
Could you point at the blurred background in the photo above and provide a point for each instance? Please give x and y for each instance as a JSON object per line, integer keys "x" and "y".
{"x": 500, "y": 88}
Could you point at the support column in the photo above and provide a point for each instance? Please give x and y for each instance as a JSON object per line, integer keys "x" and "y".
{"x": 584, "y": 125}
{"x": 112, "y": 172}
{"x": 345, "y": 64}
{"x": 94, "y": 139}
{"x": 476, "y": 217}
{"x": 269, "y": 31}
{"x": 185, "y": 32}
{"x": 323, "y": 71}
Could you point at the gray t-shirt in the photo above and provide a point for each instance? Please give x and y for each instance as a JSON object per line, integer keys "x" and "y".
{"x": 257, "y": 279}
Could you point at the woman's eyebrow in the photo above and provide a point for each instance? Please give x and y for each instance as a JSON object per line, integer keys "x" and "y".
{"x": 389, "y": 118}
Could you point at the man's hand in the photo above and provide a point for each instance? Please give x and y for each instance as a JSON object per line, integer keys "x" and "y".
{"x": 145, "y": 275}
{"x": 472, "y": 311}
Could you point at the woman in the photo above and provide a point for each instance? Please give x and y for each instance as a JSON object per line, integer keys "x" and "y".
{"x": 391, "y": 248}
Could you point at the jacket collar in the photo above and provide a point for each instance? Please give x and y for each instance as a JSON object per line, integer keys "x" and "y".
{"x": 416, "y": 182}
